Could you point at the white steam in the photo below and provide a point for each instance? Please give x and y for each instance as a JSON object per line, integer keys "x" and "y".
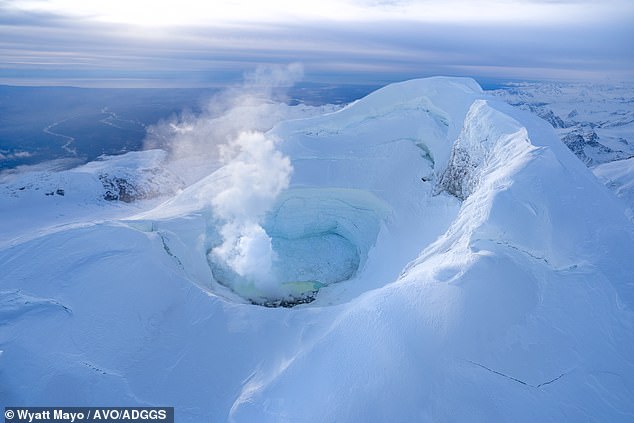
{"x": 194, "y": 140}
{"x": 255, "y": 173}
{"x": 228, "y": 137}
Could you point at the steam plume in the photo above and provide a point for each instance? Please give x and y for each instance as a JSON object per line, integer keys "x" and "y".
{"x": 229, "y": 137}
{"x": 256, "y": 173}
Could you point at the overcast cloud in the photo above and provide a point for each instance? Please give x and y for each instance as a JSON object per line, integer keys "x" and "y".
{"x": 358, "y": 41}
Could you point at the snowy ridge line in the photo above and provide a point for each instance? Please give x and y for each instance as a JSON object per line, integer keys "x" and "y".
{"x": 45, "y": 200}
{"x": 493, "y": 146}
{"x": 595, "y": 121}
{"x": 414, "y": 290}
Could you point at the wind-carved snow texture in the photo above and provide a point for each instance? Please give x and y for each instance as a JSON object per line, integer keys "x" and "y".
{"x": 13, "y": 304}
{"x": 514, "y": 304}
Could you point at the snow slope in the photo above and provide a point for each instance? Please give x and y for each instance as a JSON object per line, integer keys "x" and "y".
{"x": 594, "y": 120}
{"x": 40, "y": 198}
{"x": 457, "y": 261}
{"x": 619, "y": 177}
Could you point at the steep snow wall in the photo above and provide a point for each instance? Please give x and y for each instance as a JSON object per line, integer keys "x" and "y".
{"x": 521, "y": 311}
{"x": 514, "y": 304}
{"x": 361, "y": 178}
{"x": 489, "y": 141}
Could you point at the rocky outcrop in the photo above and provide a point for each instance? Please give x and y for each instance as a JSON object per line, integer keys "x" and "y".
{"x": 129, "y": 188}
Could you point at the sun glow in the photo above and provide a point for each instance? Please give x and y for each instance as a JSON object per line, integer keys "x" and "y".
{"x": 191, "y": 12}
{"x": 195, "y": 12}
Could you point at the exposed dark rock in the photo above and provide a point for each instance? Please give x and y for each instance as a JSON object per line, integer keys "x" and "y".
{"x": 288, "y": 302}
{"x": 544, "y": 112}
{"x": 117, "y": 188}
{"x": 456, "y": 179}
{"x": 551, "y": 118}
{"x": 120, "y": 189}
{"x": 584, "y": 143}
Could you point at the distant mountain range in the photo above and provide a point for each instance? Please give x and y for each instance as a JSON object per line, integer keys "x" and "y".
{"x": 594, "y": 120}
{"x": 426, "y": 253}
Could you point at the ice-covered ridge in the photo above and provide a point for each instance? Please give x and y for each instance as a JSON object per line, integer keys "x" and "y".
{"x": 516, "y": 304}
{"x": 491, "y": 148}
{"x": 489, "y": 141}
{"x": 342, "y": 209}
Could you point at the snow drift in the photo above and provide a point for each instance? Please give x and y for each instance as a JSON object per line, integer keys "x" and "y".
{"x": 458, "y": 264}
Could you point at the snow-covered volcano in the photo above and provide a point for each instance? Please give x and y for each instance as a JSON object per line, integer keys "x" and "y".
{"x": 448, "y": 259}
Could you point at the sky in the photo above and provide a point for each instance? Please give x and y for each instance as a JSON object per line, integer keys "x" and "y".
{"x": 189, "y": 43}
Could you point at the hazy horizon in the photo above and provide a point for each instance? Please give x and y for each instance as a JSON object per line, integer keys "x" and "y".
{"x": 118, "y": 44}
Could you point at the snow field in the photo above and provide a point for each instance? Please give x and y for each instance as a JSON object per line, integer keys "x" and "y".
{"x": 512, "y": 304}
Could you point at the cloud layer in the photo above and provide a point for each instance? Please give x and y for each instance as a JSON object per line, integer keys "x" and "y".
{"x": 387, "y": 41}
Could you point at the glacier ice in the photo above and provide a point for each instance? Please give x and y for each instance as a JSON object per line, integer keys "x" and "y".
{"x": 514, "y": 303}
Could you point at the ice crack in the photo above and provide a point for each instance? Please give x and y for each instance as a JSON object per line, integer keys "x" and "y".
{"x": 516, "y": 379}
